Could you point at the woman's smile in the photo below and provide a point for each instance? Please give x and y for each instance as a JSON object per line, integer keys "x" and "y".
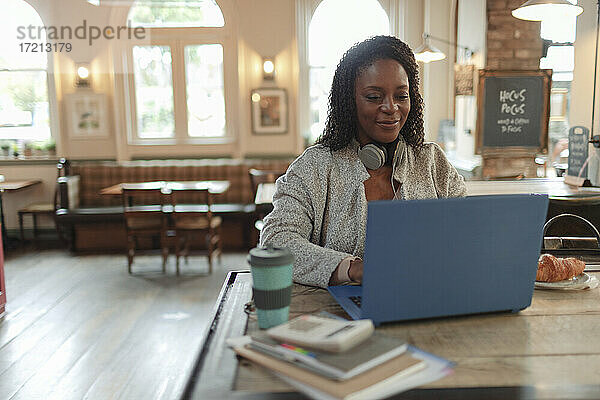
{"x": 389, "y": 124}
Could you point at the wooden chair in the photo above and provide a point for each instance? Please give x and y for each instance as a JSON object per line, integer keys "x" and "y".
{"x": 35, "y": 210}
{"x": 144, "y": 218}
{"x": 190, "y": 221}
{"x": 258, "y": 176}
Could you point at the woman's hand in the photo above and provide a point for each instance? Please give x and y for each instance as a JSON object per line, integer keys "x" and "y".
{"x": 355, "y": 272}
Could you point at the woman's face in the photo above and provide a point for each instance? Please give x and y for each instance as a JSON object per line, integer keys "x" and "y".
{"x": 382, "y": 101}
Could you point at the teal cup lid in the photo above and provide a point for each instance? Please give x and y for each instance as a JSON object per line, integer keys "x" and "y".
{"x": 270, "y": 256}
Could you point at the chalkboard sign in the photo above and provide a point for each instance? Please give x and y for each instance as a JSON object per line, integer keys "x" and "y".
{"x": 578, "y": 151}
{"x": 513, "y": 110}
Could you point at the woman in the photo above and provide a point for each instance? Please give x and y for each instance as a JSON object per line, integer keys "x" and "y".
{"x": 372, "y": 149}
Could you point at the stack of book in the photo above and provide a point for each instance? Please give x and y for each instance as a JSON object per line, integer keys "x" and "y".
{"x": 379, "y": 367}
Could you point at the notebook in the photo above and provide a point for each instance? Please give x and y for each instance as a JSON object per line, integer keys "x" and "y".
{"x": 408, "y": 370}
{"x": 445, "y": 257}
{"x": 374, "y": 351}
{"x": 375, "y": 383}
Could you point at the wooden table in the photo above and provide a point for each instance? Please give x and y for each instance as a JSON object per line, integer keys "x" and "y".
{"x": 214, "y": 187}
{"x": 550, "y": 350}
{"x": 263, "y": 201}
{"x": 12, "y": 186}
{"x": 264, "y": 193}
{"x": 556, "y": 188}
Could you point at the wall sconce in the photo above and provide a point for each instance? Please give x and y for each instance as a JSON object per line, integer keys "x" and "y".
{"x": 268, "y": 68}
{"x": 427, "y": 53}
{"x": 82, "y": 75}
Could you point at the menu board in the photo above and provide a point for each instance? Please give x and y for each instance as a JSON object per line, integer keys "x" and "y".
{"x": 578, "y": 151}
{"x": 513, "y": 110}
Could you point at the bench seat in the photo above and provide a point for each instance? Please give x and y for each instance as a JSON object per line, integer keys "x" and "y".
{"x": 103, "y": 228}
{"x": 92, "y": 222}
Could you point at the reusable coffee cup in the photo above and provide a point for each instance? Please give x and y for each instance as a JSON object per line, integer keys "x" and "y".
{"x": 271, "y": 284}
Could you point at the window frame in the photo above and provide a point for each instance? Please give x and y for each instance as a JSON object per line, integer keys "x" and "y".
{"x": 172, "y": 37}
{"x": 50, "y": 87}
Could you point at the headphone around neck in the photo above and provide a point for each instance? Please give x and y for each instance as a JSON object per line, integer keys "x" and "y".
{"x": 373, "y": 156}
{"x": 376, "y": 155}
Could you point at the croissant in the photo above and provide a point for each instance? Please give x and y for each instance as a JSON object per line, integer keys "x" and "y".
{"x": 552, "y": 269}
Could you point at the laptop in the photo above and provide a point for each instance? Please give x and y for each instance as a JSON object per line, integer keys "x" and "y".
{"x": 445, "y": 257}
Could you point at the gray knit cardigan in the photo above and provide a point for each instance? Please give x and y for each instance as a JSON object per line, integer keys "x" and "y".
{"x": 320, "y": 208}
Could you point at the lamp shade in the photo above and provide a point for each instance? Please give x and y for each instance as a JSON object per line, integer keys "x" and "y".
{"x": 538, "y": 10}
{"x": 427, "y": 53}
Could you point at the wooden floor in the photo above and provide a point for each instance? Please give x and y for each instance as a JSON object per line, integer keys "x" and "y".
{"x": 80, "y": 327}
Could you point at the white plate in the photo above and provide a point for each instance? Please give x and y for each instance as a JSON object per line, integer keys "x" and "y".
{"x": 583, "y": 281}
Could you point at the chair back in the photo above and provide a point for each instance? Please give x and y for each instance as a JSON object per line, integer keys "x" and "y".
{"x": 191, "y": 221}
{"x": 258, "y": 176}
{"x": 143, "y": 193}
{"x": 143, "y": 207}
{"x": 203, "y": 201}
{"x": 63, "y": 167}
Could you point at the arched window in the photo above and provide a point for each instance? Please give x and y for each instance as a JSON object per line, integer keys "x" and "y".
{"x": 24, "y": 106}
{"x": 175, "y": 13}
{"x": 335, "y": 26}
{"x": 178, "y": 76}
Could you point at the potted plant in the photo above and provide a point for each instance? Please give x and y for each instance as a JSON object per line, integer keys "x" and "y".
{"x": 5, "y": 146}
{"x": 27, "y": 149}
{"x": 50, "y": 147}
{"x": 39, "y": 149}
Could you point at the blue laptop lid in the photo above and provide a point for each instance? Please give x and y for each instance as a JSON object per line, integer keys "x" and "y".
{"x": 442, "y": 257}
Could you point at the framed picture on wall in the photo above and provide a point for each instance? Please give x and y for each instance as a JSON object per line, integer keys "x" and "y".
{"x": 269, "y": 111}
{"x": 464, "y": 79}
{"x": 86, "y": 113}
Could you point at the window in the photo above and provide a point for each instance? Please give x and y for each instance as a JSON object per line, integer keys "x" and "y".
{"x": 561, "y": 60}
{"x": 334, "y": 27}
{"x": 559, "y": 36}
{"x": 178, "y": 79}
{"x": 175, "y": 13}
{"x": 204, "y": 88}
{"x": 560, "y": 56}
{"x": 153, "y": 91}
{"x": 24, "y": 105}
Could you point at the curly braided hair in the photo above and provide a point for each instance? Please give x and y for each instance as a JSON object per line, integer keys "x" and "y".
{"x": 342, "y": 123}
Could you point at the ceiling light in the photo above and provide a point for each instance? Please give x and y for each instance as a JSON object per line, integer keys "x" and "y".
{"x": 538, "y": 10}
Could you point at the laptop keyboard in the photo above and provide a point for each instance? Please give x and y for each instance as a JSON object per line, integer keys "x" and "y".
{"x": 356, "y": 300}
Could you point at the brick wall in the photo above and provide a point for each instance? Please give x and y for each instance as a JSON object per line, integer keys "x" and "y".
{"x": 511, "y": 43}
